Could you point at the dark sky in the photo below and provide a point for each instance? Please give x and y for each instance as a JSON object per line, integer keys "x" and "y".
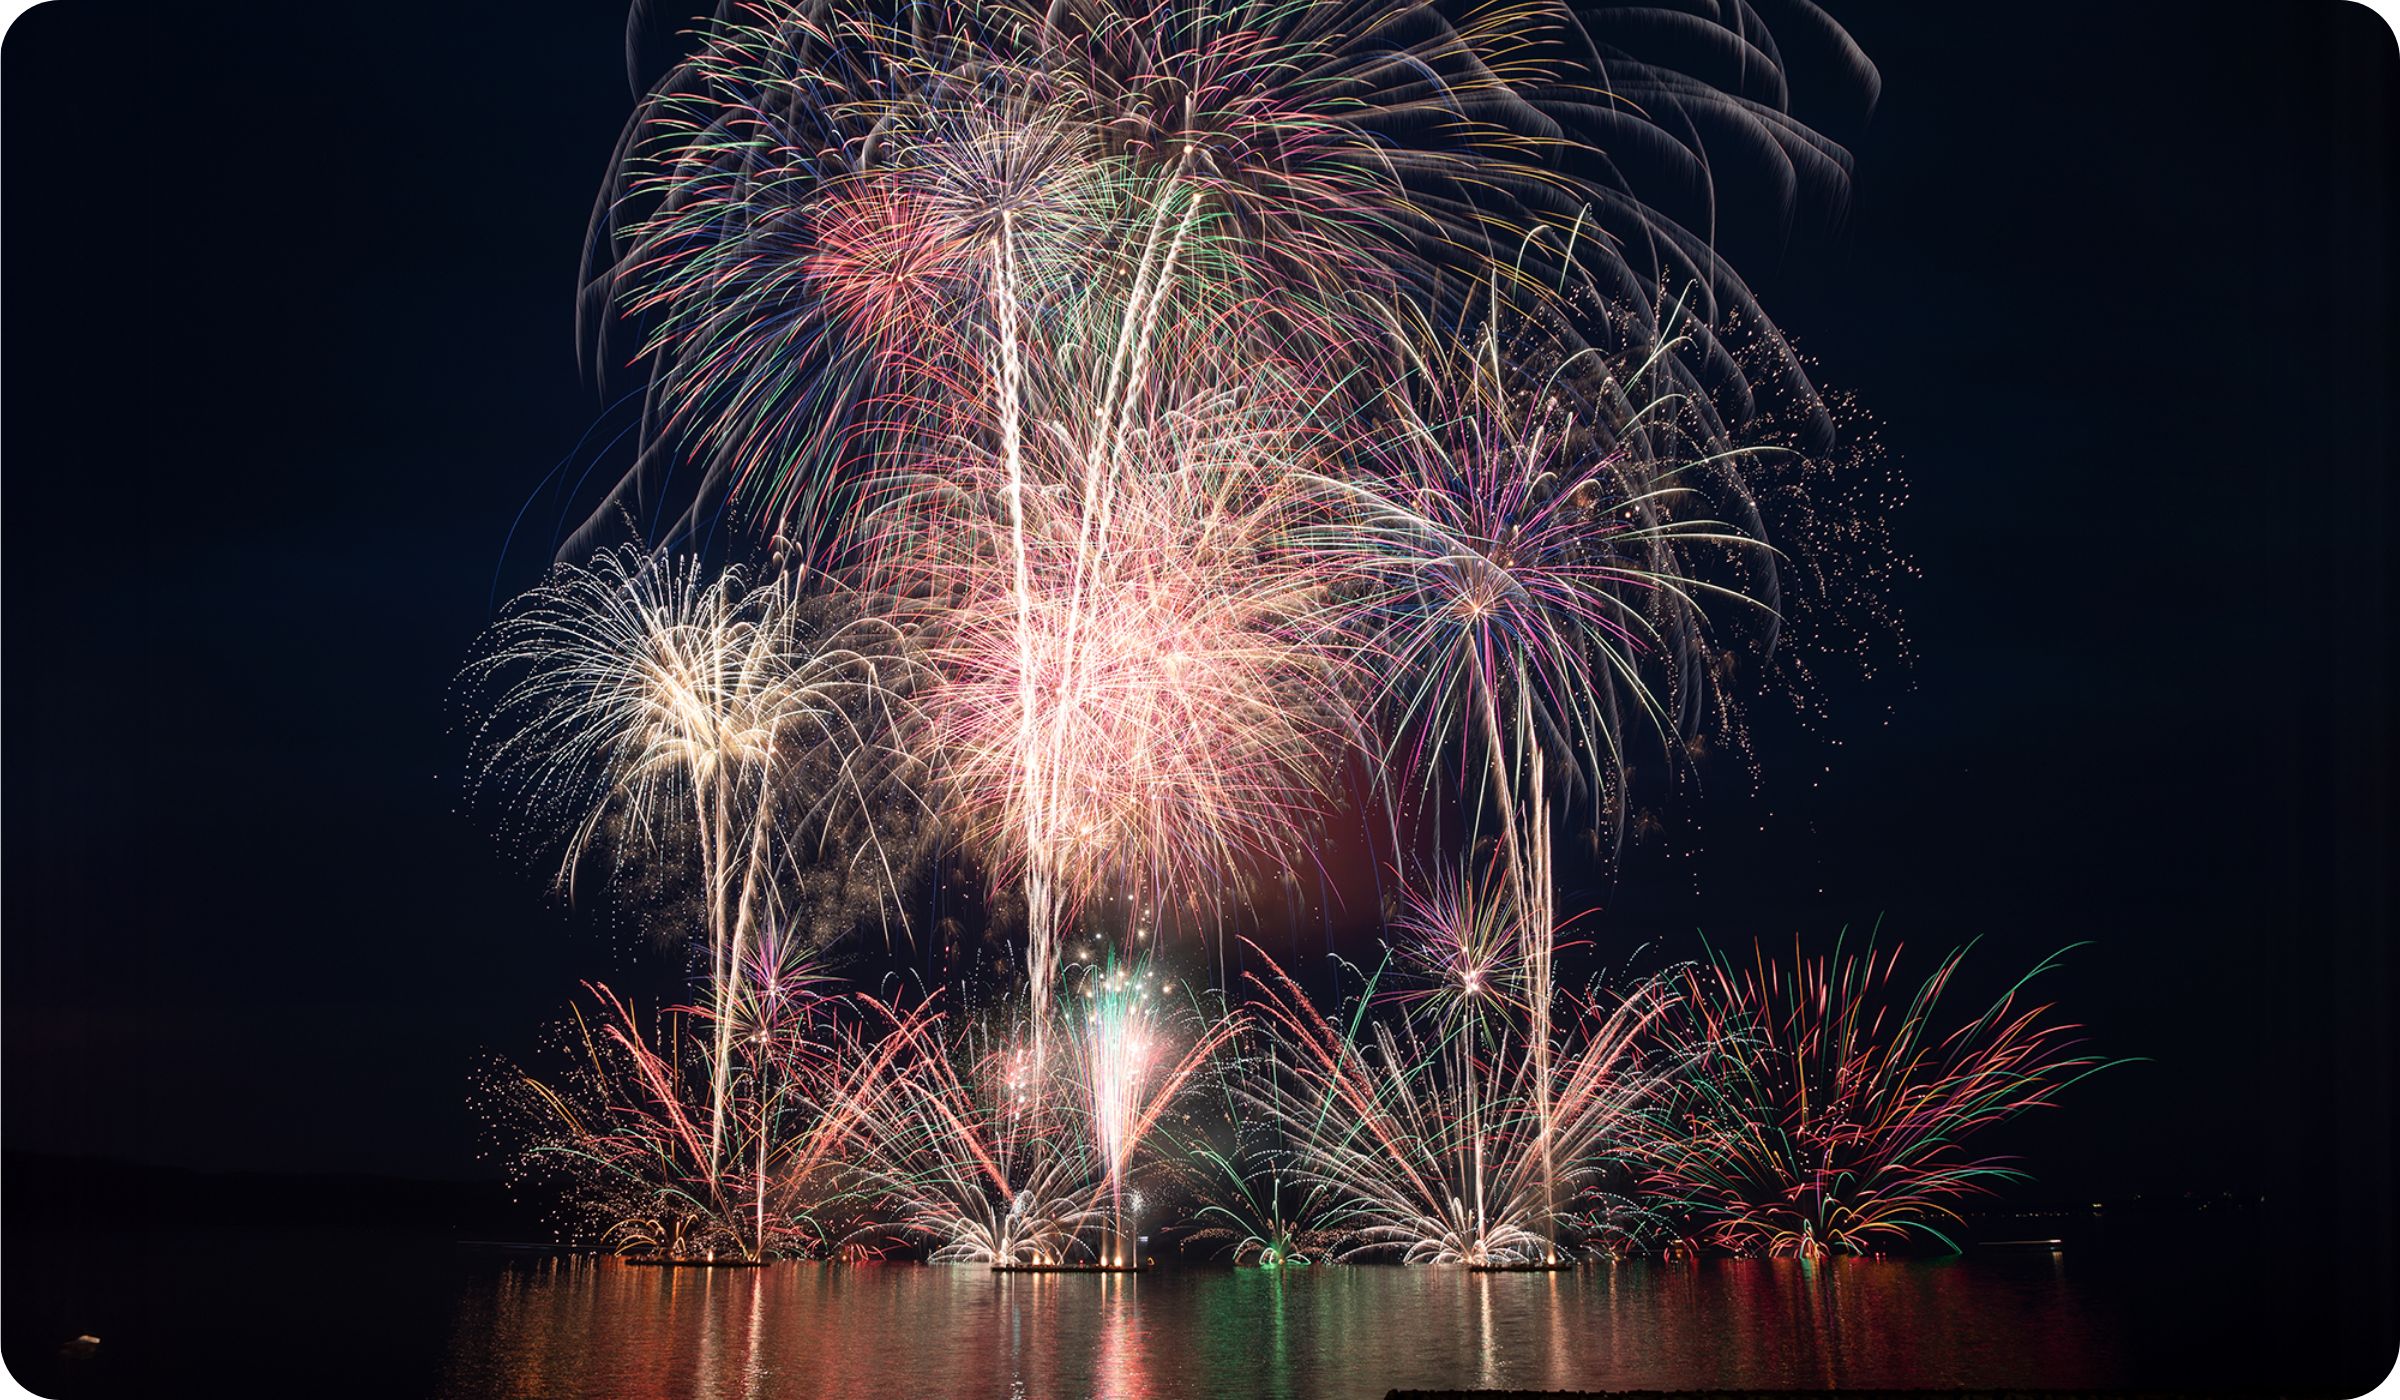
{"x": 289, "y": 340}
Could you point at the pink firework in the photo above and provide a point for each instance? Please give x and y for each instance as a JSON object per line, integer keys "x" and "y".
{"x": 1139, "y": 691}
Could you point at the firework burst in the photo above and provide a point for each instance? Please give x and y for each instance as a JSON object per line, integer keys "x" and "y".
{"x": 822, "y": 202}
{"x": 1828, "y": 1110}
{"x": 626, "y": 1122}
{"x": 1141, "y": 691}
{"x": 647, "y": 704}
{"x": 1435, "y": 1146}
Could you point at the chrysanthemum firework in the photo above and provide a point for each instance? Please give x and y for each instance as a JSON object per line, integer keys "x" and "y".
{"x": 1829, "y": 1108}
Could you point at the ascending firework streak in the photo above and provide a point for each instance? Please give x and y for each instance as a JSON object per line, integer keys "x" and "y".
{"x": 1439, "y": 1150}
{"x": 1825, "y": 1114}
{"x": 648, "y": 704}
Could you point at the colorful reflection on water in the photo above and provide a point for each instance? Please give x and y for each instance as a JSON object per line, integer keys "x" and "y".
{"x": 596, "y": 1327}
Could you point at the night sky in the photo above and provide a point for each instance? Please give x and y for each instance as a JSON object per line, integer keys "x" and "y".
{"x": 290, "y": 340}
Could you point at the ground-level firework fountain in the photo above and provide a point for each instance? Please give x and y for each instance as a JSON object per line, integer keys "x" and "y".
{"x": 1688, "y": 1109}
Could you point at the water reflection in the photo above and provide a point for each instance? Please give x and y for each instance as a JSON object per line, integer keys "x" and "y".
{"x": 598, "y": 1327}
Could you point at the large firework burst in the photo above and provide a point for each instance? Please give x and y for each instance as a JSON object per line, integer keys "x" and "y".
{"x": 823, "y": 202}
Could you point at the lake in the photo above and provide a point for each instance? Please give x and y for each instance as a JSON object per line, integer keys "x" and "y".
{"x": 317, "y": 1313}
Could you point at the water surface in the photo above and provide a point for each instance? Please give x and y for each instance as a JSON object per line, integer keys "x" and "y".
{"x": 596, "y": 1327}
{"x": 296, "y": 1311}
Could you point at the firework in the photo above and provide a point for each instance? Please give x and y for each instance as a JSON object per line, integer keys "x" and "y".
{"x": 1193, "y": 391}
{"x": 1829, "y": 1108}
{"x": 1131, "y": 1072}
{"x": 1532, "y": 538}
{"x": 1246, "y": 1200}
{"x": 626, "y": 1125}
{"x": 1265, "y": 1228}
{"x": 1434, "y": 1146}
{"x": 824, "y": 201}
{"x": 1035, "y": 252}
{"x": 645, "y": 703}
{"x": 995, "y": 1154}
{"x": 1141, "y": 693}
{"x": 1526, "y": 545}
{"x": 955, "y": 1158}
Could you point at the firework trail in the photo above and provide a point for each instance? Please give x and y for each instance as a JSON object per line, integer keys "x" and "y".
{"x": 645, "y": 704}
{"x": 1828, "y": 1109}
